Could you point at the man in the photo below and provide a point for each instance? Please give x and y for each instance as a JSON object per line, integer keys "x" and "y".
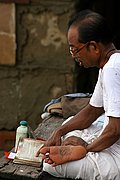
{"x": 80, "y": 149}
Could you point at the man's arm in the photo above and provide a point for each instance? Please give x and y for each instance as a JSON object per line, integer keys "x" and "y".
{"x": 80, "y": 121}
{"x": 83, "y": 119}
{"x": 108, "y": 137}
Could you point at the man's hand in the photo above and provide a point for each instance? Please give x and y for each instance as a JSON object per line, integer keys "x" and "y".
{"x": 75, "y": 141}
{"x": 54, "y": 139}
{"x": 57, "y": 155}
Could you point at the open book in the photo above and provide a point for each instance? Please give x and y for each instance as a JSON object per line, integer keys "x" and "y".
{"x": 26, "y": 151}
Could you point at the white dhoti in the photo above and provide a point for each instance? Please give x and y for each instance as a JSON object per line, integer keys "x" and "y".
{"x": 95, "y": 166}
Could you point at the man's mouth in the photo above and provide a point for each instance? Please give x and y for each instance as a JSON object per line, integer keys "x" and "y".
{"x": 79, "y": 61}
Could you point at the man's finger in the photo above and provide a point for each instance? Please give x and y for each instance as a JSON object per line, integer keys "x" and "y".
{"x": 44, "y": 150}
{"x": 49, "y": 161}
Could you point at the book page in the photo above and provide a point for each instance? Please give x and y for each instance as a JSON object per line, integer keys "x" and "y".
{"x": 28, "y": 148}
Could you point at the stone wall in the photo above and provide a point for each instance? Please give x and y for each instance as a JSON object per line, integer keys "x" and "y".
{"x": 40, "y": 68}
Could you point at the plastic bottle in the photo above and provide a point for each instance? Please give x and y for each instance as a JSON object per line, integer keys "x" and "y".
{"x": 21, "y": 132}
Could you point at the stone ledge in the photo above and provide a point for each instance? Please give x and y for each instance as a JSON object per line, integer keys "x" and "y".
{"x": 10, "y": 170}
{"x": 46, "y": 176}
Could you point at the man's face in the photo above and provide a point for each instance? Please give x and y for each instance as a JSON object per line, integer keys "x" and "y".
{"x": 81, "y": 52}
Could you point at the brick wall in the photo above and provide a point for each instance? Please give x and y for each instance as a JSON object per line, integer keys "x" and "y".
{"x": 35, "y": 62}
{"x": 7, "y": 34}
{"x": 7, "y": 140}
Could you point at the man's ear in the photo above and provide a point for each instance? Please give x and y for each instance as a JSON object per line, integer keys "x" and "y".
{"x": 93, "y": 45}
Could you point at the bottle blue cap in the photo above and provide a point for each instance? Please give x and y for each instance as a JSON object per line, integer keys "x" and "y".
{"x": 23, "y": 123}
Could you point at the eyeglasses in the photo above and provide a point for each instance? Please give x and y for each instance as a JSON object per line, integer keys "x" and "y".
{"x": 73, "y": 52}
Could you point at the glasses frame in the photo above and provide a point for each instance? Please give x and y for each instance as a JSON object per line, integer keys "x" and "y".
{"x": 74, "y": 52}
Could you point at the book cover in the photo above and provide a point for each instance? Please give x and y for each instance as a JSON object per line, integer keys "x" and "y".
{"x": 26, "y": 151}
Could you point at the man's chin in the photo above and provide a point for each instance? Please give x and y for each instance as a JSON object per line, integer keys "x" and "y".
{"x": 85, "y": 66}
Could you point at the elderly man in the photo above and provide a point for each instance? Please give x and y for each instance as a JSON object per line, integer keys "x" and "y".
{"x": 80, "y": 149}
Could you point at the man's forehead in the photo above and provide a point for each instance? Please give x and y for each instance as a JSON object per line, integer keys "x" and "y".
{"x": 72, "y": 36}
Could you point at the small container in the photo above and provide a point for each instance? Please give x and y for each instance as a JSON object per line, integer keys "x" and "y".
{"x": 21, "y": 132}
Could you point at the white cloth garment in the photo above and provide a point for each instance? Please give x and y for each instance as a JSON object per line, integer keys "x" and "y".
{"x": 104, "y": 165}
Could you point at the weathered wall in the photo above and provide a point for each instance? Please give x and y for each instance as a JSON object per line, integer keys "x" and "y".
{"x": 43, "y": 68}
